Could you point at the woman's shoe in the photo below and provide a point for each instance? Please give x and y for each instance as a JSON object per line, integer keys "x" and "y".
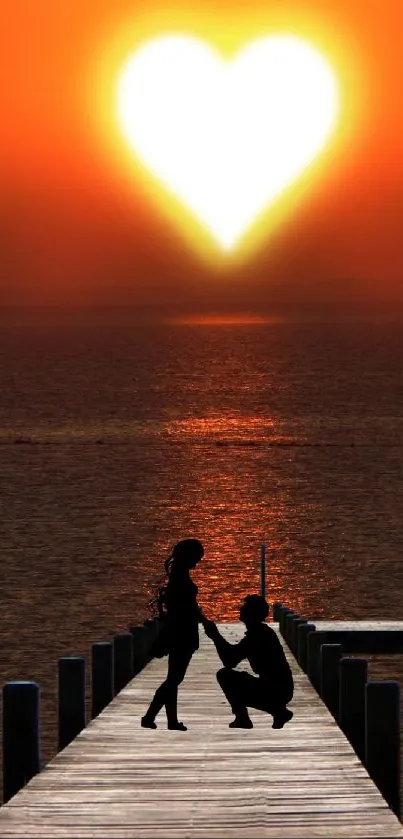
{"x": 177, "y": 726}
{"x": 147, "y": 722}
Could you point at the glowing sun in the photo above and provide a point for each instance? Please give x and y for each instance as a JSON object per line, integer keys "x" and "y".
{"x": 227, "y": 137}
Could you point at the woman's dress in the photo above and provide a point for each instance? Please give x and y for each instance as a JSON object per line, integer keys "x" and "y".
{"x": 180, "y": 626}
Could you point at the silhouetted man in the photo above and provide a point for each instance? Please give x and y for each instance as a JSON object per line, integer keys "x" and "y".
{"x": 274, "y": 687}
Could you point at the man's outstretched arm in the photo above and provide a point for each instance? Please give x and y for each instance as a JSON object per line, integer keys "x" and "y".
{"x": 230, "y": 654}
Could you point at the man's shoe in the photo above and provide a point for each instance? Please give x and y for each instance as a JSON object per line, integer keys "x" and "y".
{"x": 280, "y": 720}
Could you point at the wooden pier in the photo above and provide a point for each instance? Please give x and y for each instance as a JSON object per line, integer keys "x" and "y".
{"x": 117, "y": 779}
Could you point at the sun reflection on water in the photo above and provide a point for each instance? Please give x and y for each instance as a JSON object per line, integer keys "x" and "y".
{"x": 225, "y": 429}
{"x": 234, "y": 499}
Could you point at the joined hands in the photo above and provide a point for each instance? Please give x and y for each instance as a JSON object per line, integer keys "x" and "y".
{"x": 209, "y": 628}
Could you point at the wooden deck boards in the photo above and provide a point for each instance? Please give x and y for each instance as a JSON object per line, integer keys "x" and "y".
{"x": 120, "y": 780}
{"x": 358, "y": 625}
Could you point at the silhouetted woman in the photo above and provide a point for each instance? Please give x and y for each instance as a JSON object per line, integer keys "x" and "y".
{"x": 179, "y": 635}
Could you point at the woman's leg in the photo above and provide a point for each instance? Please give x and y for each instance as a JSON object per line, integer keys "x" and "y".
{"x": 167, "y": 693}
{"x": 177, "y": 665}
{"x": 155, "y": 706}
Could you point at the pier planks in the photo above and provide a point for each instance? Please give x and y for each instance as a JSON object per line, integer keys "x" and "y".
{"x": 119, "y": 780}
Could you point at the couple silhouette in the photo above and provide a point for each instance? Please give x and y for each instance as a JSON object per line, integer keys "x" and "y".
{"x": 180, "y": 616}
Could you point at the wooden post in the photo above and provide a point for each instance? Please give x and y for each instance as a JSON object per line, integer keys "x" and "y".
{"x": 123, "y": 669}
{"x": 140, "y": 648}
{"x": 277, "y": 607}
{"x": 71, "y": 698}
{"x": 21, "y": 751}
{"x": 302, "y": 646}
{"x": 295, "y": 623}
{"x": 287, "y": 623}
{"x": 280, "y": 609}
{"x": 263, "y": 570}
{"x": 382, "y": 739}
{"x": 315, "y": 640}
{"x": 101, "y": 676}
{"x": 353, "y": 676}
{"x": 329, "y": 683}
{"x": 288, "y": 627}
{"x": 283, "y": 616}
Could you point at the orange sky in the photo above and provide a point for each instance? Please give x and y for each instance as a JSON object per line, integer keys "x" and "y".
{"x": 74, "y": 230}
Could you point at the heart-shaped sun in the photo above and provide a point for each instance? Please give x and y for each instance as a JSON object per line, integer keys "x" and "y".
{"x": 226, "y": 137}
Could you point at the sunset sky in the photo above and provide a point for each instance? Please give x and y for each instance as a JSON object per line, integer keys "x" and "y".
{"x": 81, "y": 225}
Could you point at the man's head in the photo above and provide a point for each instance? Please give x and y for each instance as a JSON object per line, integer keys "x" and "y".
{"x": 254, "y": 609}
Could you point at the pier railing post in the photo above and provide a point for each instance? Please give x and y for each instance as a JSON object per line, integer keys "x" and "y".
{"x": 353, "y": 677}
{"x": 295, "y": 623}
{"x": 329, "y": 681}
{"x": 123, "y": 668}
{"x": 101, "y": 676}
{"x": 21, "y": 752}
{"x": 315, "y": 640}
{"x": 288, "y": 621}
{"x": 280, "y": 609}
{"x": 71, "y": 698}
{"x": 287, "y": 625}
{"x": 276, "y": 611}
{"x": 283, "y": 616}
{"x": 263, "y": 570}
{"x": 382, "y": 739}
{"x": 302, "y": 646}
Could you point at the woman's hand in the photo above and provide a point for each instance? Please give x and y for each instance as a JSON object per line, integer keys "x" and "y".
{"x": 209, "y": 628}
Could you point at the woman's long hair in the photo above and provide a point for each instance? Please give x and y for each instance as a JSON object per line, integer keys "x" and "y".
{"x": 173, "y": 565}
{"x": 157, "y": 603}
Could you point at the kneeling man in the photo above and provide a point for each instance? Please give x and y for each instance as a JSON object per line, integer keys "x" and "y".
{"x": 274, "y": 687}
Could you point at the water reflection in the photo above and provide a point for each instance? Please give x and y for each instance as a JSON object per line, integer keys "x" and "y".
{"x": 233, "y": 504}
{"x": 224, "y": 427}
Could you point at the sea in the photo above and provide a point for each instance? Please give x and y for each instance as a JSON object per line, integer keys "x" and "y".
{"x": 120, "y": 436}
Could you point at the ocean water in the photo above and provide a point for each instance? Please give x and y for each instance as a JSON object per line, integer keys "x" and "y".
{"x": 118, "y": 438}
